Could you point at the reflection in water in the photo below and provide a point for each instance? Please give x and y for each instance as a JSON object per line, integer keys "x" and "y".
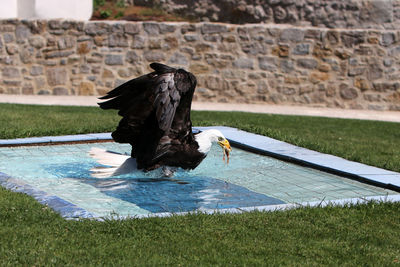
{"x": 185, "y": 193}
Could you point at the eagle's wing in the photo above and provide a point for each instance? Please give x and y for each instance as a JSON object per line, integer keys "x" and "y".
{"x": 148, "y": 105}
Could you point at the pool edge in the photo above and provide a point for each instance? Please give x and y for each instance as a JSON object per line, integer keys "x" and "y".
{"x": 63, "y": 207}
{"x": 310, "y": 158}
{"x": 253, "y": 142}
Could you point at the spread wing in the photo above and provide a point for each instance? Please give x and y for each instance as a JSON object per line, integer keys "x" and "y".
{"x": 149, "y": 106}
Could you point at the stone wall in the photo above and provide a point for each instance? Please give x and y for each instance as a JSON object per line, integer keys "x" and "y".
{"x": 377, "y": 14}
{"x": 233, "y": 63}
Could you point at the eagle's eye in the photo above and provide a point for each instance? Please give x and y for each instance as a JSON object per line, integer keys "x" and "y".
{"x": 220, "y": 139}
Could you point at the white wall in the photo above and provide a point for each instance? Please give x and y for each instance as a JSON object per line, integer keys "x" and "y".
{"x": 46, "y": 9}
{"x": 26, "y": 9}
{"x": 8, "y": 9}
{"x": 71, "y": 9}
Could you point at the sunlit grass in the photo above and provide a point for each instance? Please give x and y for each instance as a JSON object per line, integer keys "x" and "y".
{"x": 355, "y": 235}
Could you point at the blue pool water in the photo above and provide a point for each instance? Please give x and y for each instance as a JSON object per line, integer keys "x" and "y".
{"x": 248, "y": 180}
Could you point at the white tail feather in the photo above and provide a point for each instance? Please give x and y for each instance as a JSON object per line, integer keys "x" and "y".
{"x": 119, "y": 163}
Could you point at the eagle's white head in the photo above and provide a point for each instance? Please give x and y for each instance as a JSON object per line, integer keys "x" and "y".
{"x": 207, "y": 137}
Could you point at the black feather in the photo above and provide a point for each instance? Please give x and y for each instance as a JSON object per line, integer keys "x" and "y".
{"x": 156, "y": 107}
{"x": 161, "y": 68}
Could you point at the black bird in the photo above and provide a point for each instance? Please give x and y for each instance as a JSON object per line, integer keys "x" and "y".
{"x": 155, "y": 110}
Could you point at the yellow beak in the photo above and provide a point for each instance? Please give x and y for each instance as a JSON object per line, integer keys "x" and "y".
{"x": 225, "y": 145}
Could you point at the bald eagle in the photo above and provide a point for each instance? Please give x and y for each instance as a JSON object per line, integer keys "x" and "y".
{"x": 155, "y": 110}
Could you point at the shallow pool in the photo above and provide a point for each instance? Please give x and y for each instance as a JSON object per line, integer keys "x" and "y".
{"x": 248, "y": 180}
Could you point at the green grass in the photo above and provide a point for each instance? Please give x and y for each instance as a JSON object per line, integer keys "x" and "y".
{"x": 18, "y": 121}
{"x": 370, "y": 142}
{"x": 356, "y": 235}
{"x": 361, "y": 235}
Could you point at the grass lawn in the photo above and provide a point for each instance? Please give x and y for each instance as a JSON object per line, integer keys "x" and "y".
{"x": 368, "y": 234}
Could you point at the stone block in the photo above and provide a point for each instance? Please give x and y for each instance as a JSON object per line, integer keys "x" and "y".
{"x": 86, "y": 88}
{"x": 381, "y": 11}
{"x": 37, "y": 41}
{"x": 129, "y": 72}
{"x": 13, "y": 90}
{"x": 324, "y": 67}
{"x": 191, "y": 37}
{"x": 208, "y": 28}
{"x": 372, "y": 97}
{"x": 355, "y": 71}
{"x": 267, "y": 63}
{"x": 84, "y": 48}
{"x": 66, "y": 42}
{"x": 361, "y": 84}
{"x": 301, "y": 49}
{"x": 388, "y": 38}
{"x": 96, "y": 28}
{"x": 154, "y": 56}
{"x": 12, "y": 82}
{"x": 332, "y": 37}
{"x": 243, "y": 63}
{"x": 292, "y": 35}
{"x": 43, "y": 92}
{"x": 212, "y": 37}
{"x": 22, "y": 33}
{"x": 26, "y": 54}
{"x": 394, "y": 98}
{"x": 198, "y": 68}
{"x": 132, "y": 28}
{"x": 307, "y": 63}
{"x": 374, "y": 72}
{"x": 385, "y": 86}
{"x": 132, "y": 57}
{"x": 352, "y": 38}
{"x": 117, "y": 40}
{"x": 37, "y": 70}
{"x": 306, "y": 89}
{"x": 138, "y": 42}
{"x": 11, "y": 72}
{"x": 154, "y": 44}
{"x": 317, "y": 77}
{"x": 151, "y": 28}
{"x": 11, "y": 49}
{"x": 167, "y": 28}
{"x": 262, "y": 87}
{"x": 60, "y": 91}
{"x": 178, "y": 59}
{"x": 347, "y": 93}
{"x": 203, "y": 47}
{"x": 281, "y": 50}
{"x": 56, "y": 76}
{"x": 8, "y": 37}
{"x": 255, "y": 48}
{"x": 387, "y": 62}
{"x": 287, "y": 90}
{"x": 40, "y": 82}
{"x": 27, "y": 89}
{"x": 107, "y": 74}
{"x": 58, "y": 54}
{"x": 291, "y": 80}
{"x": 213, "y": 83}
{"x": 342, "y": 53}
{"x": 287, "y": 65}
{"x": 112, "y": 59}
{"x": 363, "y": 50}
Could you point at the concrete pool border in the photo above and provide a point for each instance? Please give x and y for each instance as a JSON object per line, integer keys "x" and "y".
{"x": 253, "y": 142}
